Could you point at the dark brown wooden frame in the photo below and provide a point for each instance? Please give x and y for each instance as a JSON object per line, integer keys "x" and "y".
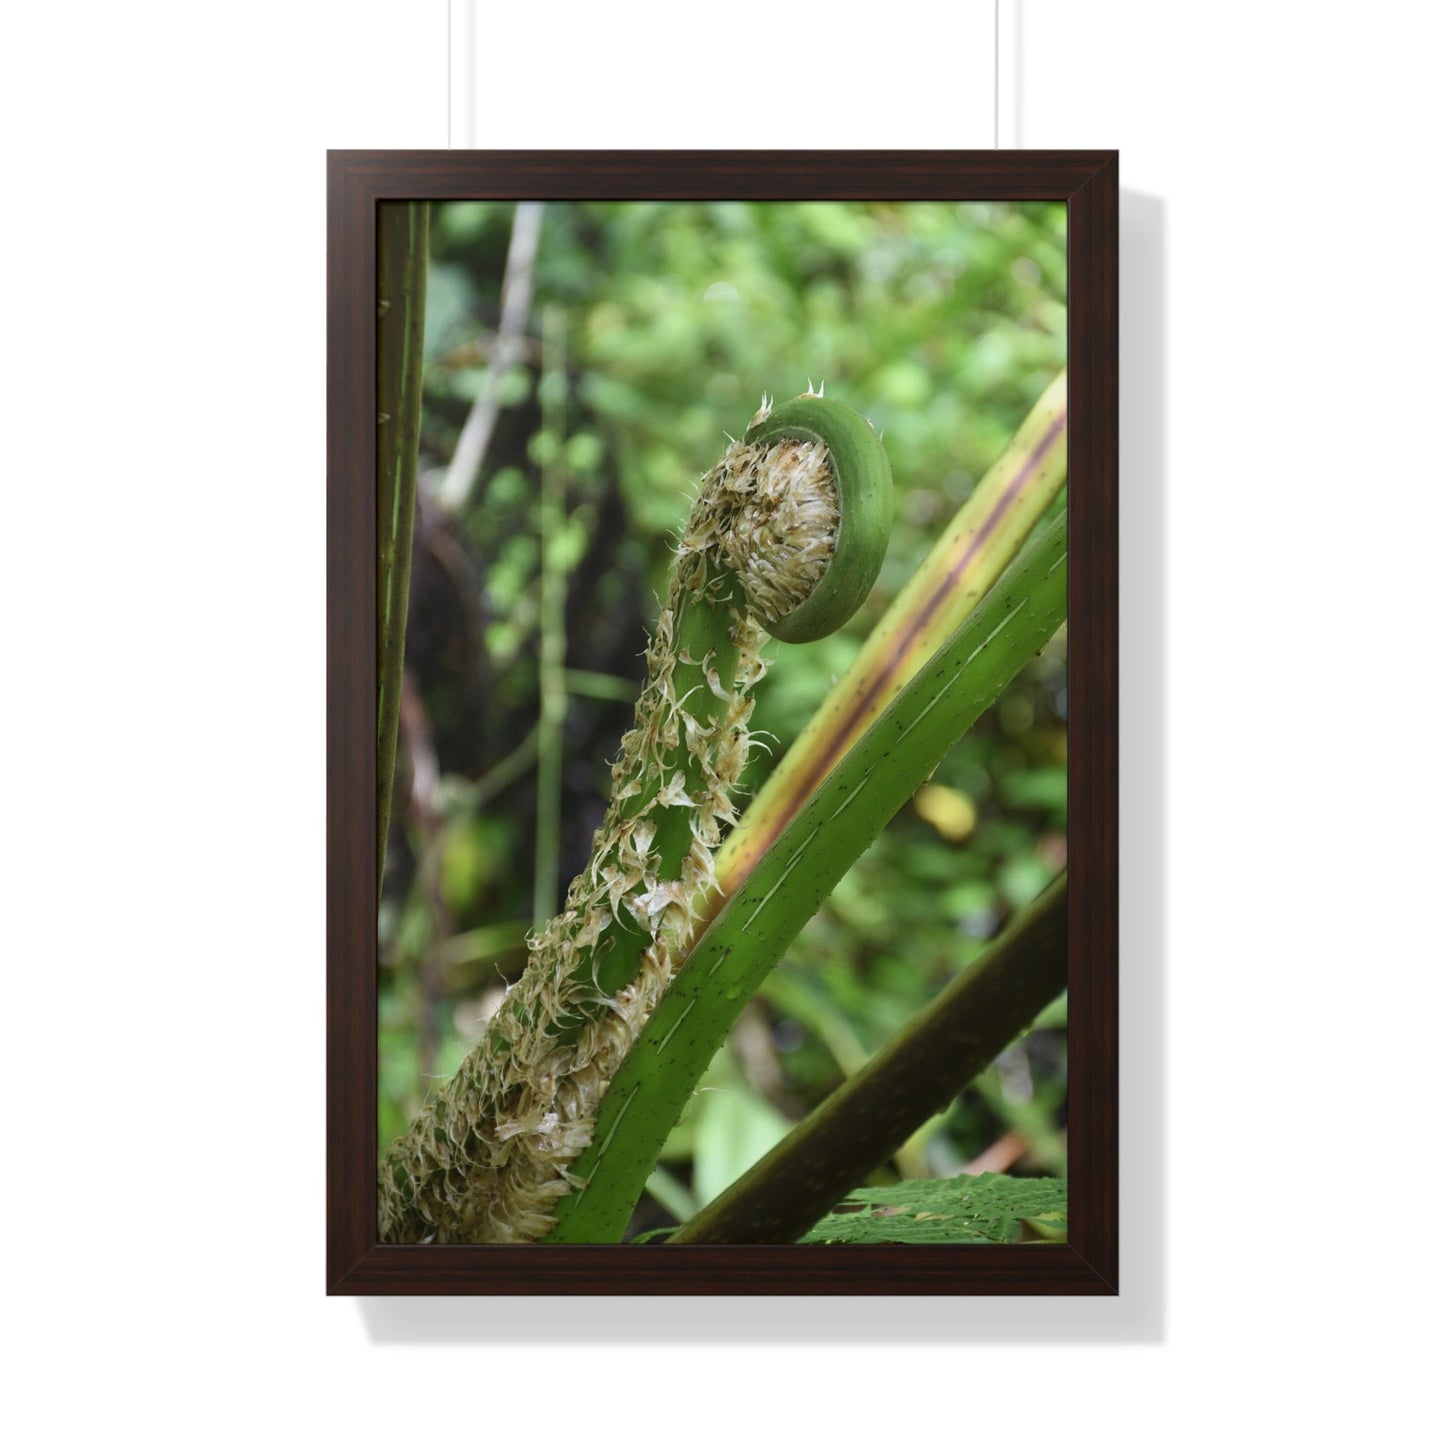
{"x": 355, "y": 1262}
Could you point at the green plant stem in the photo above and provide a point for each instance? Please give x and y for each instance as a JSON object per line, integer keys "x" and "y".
{"x": 501, "y": 775}
{"x": 552, "y": 649}
{"x": 402, "y": 228}
{"x": 875, "y": 778}
{"x": 915, "y": 1076}
{"x": 703, "y": 624}
{"x": 487, "y": 1158}
{"x": 480, "y": 946}
{"x": 605, "y": 686}
{"x": 963, "y": 564}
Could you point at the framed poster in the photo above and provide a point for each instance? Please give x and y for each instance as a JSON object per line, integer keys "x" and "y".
{"x": 722, "y": 722}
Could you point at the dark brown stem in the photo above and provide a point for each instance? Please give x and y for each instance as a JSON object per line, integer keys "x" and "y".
{"x": 917, "y": 1075}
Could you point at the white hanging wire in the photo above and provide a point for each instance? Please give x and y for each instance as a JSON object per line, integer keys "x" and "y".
{"x": 995, "y": 74}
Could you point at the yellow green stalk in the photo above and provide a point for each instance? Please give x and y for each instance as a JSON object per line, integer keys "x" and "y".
{"x": 809, "y": 855}
{"x": 964, "y": 563}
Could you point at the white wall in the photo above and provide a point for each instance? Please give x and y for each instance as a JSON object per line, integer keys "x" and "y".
{"x": 1282, "y": 797}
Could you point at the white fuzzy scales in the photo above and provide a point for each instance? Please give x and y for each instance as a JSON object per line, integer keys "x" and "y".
{"x": 782, "y": 531}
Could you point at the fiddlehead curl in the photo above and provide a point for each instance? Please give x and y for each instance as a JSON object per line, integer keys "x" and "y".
{"x": 786, "y": 536}
{"x": 864, "y": 509}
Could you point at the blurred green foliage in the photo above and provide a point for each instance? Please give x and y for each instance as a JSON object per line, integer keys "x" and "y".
{"x": 664, "y": 322}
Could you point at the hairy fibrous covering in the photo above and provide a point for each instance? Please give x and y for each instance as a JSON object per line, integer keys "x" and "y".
{"x": 487, "y": 1160}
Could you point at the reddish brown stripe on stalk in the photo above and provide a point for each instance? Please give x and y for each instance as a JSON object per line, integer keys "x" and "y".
{"x": 859, "y": 714}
